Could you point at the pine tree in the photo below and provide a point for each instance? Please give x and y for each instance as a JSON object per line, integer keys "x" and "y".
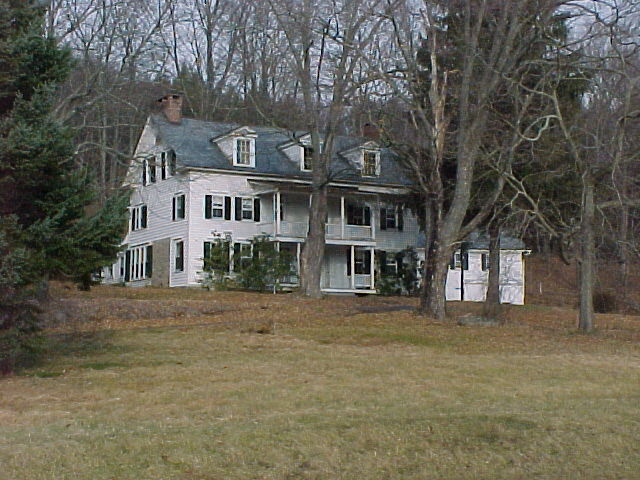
{"x": 44, "y": 231}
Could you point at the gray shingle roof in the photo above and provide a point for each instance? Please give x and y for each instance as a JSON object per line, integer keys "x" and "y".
{"x": 480, "y": 241}
{"x": 191, "y": 140}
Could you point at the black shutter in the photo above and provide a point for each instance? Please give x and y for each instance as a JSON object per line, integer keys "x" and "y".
{"x": 182, "y": 204}
{"x": 348, "y": 262}
{"x": 256, "y": 209}
{"x": 149, "y": 264}
{"x": 400, "y": 218}
{"x": 367, "y": 216}
{"x": 452, "y": 262}
{"x": 236, "y": 257}
{"x": 207, "y": 206}
{"x": 172, "y": 162}
{"x": 238, "y": 207}
{"x": 226, "y": 249}
{"x": 127, "y": 266}
{"x": 383, "y": 219}
{"x": 133, "y": 219}
{"x": 465, "y": 261}
{"x": 206, "y": 257}
{"x": 383, "y": 262}
{"x": 350, "y": 214}
{"x": 400, "y": 263}
{"x": 143, "y": 219}
{"x": 227, "y": 208}
{"x": 173, "y": 209}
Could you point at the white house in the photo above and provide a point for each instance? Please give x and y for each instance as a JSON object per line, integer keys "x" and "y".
{"x": 193, "y": 182}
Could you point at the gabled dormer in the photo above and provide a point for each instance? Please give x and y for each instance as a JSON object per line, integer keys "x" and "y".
{"x": 239, "y": 146}
{"x": 300, "y": 152}
{"x": 365, "y": 158}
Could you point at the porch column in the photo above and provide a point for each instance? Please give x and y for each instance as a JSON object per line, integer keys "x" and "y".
{"x": 353, "y": 267}
{"x": 372, "y": 267}
{"x": 298, "y": 259}
{"x": 374, "y": 214}
{"x": 342, "y": 217}
{"x": 278, "y": 206}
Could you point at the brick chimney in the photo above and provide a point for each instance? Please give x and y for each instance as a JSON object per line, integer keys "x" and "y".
{"x": 370, "y": 131}
{"x": 171, "y": 106}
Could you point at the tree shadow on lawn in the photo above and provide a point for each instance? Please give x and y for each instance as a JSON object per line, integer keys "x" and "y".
{"x": 55, "y": 350}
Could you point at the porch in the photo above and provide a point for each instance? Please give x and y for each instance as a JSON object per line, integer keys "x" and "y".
{"x": 346, "y": 268}
{"x": 349, "y": 216}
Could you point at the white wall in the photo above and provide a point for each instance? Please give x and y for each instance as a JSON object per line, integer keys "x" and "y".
{"x": 476, "y": 280}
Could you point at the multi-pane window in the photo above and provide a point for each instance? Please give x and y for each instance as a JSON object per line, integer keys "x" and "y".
{"x": 358, "y": 215}
{"x": 370, "y": 164}
{"x": 391, "y": 217}
{"x": 172, "y": 162}
{"x": 138, "y": 217}
{"x": 163, "y": 165}
{"x": 247, "y": 209}
{"x": 459, "y": 260}
{"x": 138, "y": 263}
{"x": 144, "y": 172}
{"x": 307, "y": 157}
{"x": 241, "y": 256}
{"x": 178, "y": 255}
{"x": 179, "y": 207}
{"x": 217, "y": 206}
{"x": 243, "y": 152}
{"x": 485, "y": 262}
{"x": 152, "y": 170}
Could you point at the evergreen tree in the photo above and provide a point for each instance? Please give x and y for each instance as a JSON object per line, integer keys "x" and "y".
{"x": 44, "y": 229}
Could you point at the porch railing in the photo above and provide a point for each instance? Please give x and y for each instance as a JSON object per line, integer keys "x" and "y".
{"x": 362, "y": 281}
{"x": 333, "y": 231}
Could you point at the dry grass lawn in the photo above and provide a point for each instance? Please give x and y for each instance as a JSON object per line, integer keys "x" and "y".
{"x": 157, "y": 384}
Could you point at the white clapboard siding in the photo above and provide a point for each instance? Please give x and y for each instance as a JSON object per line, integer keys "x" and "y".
{"x": 476, "y": 280}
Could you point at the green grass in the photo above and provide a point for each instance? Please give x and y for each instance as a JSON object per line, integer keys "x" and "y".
{"x": 382, "y": 396}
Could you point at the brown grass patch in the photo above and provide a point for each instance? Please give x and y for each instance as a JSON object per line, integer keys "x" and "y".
{"x": 333, "y": 390}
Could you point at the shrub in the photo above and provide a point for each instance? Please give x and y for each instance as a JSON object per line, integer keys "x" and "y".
{"x": 268, "y": 267}
{"x": 604, "y": 302}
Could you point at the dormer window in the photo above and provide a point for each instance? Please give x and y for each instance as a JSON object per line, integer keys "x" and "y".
{"x": 370, "y": 163}
{"x": 307, "y": 157}
{"x": 243, "y": 152}
{"x": 239, "y": 146}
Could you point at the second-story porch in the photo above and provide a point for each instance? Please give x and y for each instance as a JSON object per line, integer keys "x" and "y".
{"x": 350, "y": 215}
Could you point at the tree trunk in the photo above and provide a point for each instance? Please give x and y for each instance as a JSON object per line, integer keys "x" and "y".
{"x": 313, "y": 252}
{"x": 587, "y": 259}
{"x": 435, "y": 300}
{"x": 492, "y": 306}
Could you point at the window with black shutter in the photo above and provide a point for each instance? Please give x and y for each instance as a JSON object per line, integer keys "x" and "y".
{"x": 148, "y": 268}
{"x": 133, "y": 219}
{"x": 358, "y": 215}
{"x": 238, "y": 208}
{"x": 152, "y": 170}
{"x": 163, "y": 166}
{"x": 207, "y": 207}
{"x": 256, "y": 209}
{"x": 179, "y": 256}
{"x": 227, "y": 208}
{"x": 127, "y": 266}
{"x": 143, "y": 216}
{"x": 172, "y": 162}
{"x": 144, "y": 172}
{"x": 179, "y": 207}
{"x": 485, "y": 262}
